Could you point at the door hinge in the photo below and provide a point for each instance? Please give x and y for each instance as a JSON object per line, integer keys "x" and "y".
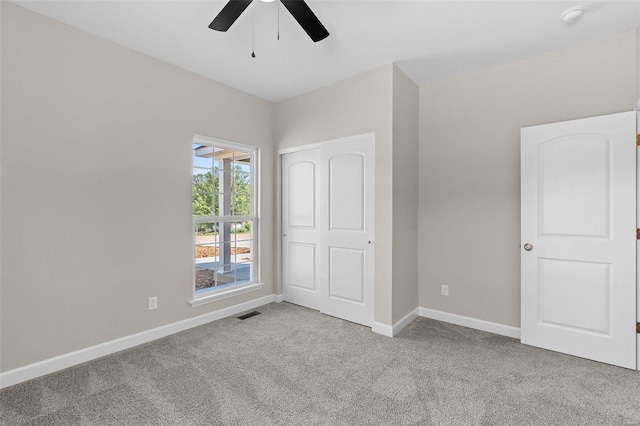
{"x": 638, "y": 327}
{"x": 638, "y": 234}
{"x": 638, "y": 140}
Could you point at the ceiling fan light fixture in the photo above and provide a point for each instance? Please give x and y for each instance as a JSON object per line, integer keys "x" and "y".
{"x": 572, "y": 15}
{"x": 267, "y": 1}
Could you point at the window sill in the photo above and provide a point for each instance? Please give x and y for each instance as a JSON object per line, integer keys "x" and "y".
{"x": 223, "y": 294}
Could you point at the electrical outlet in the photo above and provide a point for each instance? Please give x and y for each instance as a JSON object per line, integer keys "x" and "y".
{"x": 153, "y": 303}
{"x": 444, "y": 290}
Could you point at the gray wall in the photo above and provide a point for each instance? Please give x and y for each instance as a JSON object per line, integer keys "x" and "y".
{"x": 406, "y": 96}
{"x": 470, "y": 166}
{"x": 358, "y": 105}
{"x": 96, "y": 186}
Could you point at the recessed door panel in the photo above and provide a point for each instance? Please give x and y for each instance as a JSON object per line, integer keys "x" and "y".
{"x": 346, "y": 192}
{"x": 302, "y": 194}
{"x": 575, "y": 295}
{"x": 346, "y": 274}
{"x": 302, "y": 265}
{"x": 575, "y": 179}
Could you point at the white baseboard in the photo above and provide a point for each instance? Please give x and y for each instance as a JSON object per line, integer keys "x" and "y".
{"x": 491, "y": 327}
{"x": 638, "y": 353}
{"x": 51, "y": 365}
{"x": 390, "y": 331}
{"x": 408, "y": 319}
{"x": 279, "y": 298}
{"x": 385, "y": 330}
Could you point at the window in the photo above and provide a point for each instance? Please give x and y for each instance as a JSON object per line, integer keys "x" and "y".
{"x": 224, "y": 219}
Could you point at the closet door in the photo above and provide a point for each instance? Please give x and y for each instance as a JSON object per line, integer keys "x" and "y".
{"x": 328, "y": 228}
{"x": 301, "y": 228}
{"x": 347, "y": 237}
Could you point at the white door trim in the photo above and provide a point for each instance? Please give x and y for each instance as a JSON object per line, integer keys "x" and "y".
{"x": 638, "y": 243}
{"x": 321, "y": 144}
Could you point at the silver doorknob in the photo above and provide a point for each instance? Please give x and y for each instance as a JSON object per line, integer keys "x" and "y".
{"x": 528, "y": 247}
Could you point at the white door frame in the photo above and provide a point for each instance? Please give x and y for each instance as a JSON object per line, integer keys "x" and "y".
{"x": 305, "y": 147}
{"x": 637, "y": 242}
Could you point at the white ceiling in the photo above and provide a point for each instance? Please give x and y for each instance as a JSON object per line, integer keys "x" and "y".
{"x": 429, "y": 40}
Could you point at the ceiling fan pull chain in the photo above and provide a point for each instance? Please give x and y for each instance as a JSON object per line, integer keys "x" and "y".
{"x": 278, "y": 20}
{"x": 253, "y": 37}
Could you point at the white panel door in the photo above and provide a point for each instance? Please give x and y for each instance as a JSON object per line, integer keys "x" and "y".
{"x": 578, "y": 238}
{"x": 300, "y": 224}
{"x": 328, "y": 228}
{"x": 348, "y": 171}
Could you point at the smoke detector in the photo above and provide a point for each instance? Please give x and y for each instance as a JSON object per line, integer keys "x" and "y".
{"x": 572, "y": 15}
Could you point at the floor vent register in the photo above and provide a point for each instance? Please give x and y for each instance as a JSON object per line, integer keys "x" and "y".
{"x": 249, "y": 315}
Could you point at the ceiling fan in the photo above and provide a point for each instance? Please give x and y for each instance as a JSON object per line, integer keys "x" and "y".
{"x": 298, "y": 8}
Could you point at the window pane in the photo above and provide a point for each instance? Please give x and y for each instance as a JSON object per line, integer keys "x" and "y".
{"x": 225, "y": 179}
{"x": 207, "y": 245}
{"x": 241, "y": 205}
{"x": 202, "y": 156}
{"x": 202, "y": 186}
{"x": 202, "y": 180}
{"x": 242, "y": 160}
{"x": 206, "y": 231}
{"x": 227, "y": 274}
{"x": 237, "y": 273}
{"x": 223, "y": 204}
{"x": 242, "y": 252}
{"x": 224, "y": 189}
{"x": 202, "y": 204}
{"x": 206, "y": 254}
{"x": 240, "y": 178}
{"x": 242, "y": 167}
{"x": 243, "y": 231}
{"x": 205, "y": 278}
{"x": 243, "y": 272}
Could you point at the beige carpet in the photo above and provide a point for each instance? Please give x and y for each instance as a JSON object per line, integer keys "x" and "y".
{"x": 294, "y": 366}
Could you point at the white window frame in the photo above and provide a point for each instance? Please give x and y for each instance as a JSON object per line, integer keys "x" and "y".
{"x": 255, "y": 282}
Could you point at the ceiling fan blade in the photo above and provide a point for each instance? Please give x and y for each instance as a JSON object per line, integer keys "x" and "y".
{"x": 307, "y": 19}
{"x": 228, "y": 15}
